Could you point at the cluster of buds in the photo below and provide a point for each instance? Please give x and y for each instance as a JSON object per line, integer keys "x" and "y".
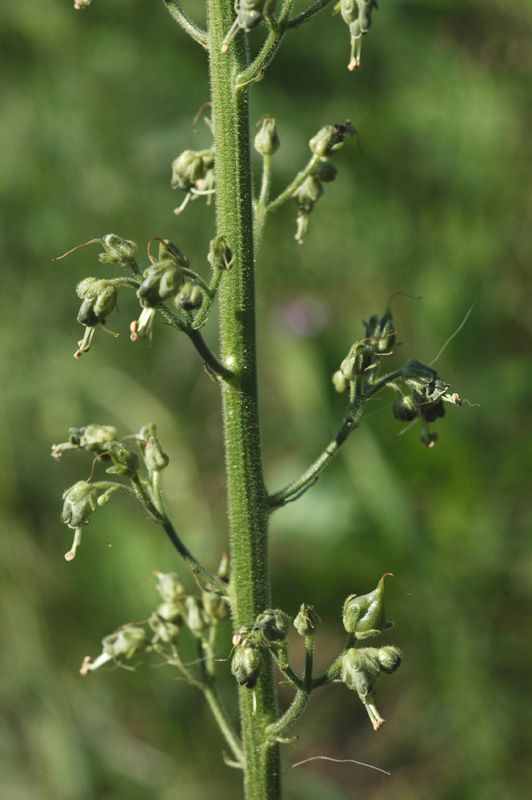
{"x": 168, "y": 276}
{"x": 83, "y": 498}
{"x": 193, "y": 173}
{"x": 269, "y": 631}
{"x": 423, "y": 394}
{"x": 357, "y": 15}
{"x": 159, "y": 633}
{"x": 362, "y": 358}
{"x": 323, "y": 145}
{"x": 248, "y": 15}
{"x": 99, "y": 296}
{"x": 364, "y": 618}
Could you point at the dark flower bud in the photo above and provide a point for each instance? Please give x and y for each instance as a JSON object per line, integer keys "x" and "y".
{"x": 364, "y": 615}
{"x": 326, "y": 172}
{"x": 430, "y": 412}
{"x": 267, "y": 141}
{"x": 152, "y": 452}
{"x": 189, "y": 297}
{"x": 160, "y": 281}
{"x": 246, "y": 664}
{"x": 273, "y": 624}
{"x": 195, "y": 616}
{"x": 405, "y": 408}
{"x": 307, "y": 620}
{"x": 330, "y": 138}
{"x": 380, "y": 332}
{"x": 421, "y": 377}
{"x": 220, "y": 255}
{"x": 123, "y": 644}
{"x": 169, "y": 587}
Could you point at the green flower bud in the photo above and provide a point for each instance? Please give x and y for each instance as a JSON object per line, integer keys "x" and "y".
{"x": 389, "y": 658}
{"x": 152, "y": 452}
{"x": 187, "y": 169}
{"x": 308, "y": 193}
{"x": 161, "y": 280}
{"x": 406, "y": 408}
{"x": 246, "y": 665}
{"x": 215, "y": 605}
{"x": 163, "y": 630}
{"x": 195, "y": 616}
{"x": 307, "y": 620}
{"x": 330, "y": 138}
{"x": 170, "y": 611}
{"x": 223, "y": 570}
{"x": 267, "y": 141}
{"x": 380, "y": 332}
{"x": 125, "y": 461}
{"x": 93, "y": 438}
{"x": 364, "y": 615}
{"x": 121, "y": 645}
{"x": 169, "y": 587}
{"x": 79, "y": 501}
{"x": 358, "y": 361}
{"x": 359, "y": 671}
{"x": 273, "y": 624}
{"x": 117, "y": 251}
{"x": 98, "y": 300}
{"x": 248, "y": 15}
{"x": 189, "y": 297}
{"x": 220, "y": 255}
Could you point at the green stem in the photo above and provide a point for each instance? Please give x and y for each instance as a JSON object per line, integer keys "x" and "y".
{"x": 201, "y": 317}
{"x": 261, "y": 208}
{"x": 334, "y": 669}
{"x": 190, "y": 27}
{"x": 255, "y": 71}
{"x": 294, "y": 185}
{"x": 298, "y": 487}
{"x": 246, "y": 494}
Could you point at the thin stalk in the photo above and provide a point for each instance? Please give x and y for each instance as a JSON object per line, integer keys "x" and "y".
{"x": 190, "y": 27}
{"x": 308, "y": 13}
{"x": 261, "y": 207}
{"x": 255, "y": 71}
{"x": 246, "y": 494}
{"x": 294, "y": 185}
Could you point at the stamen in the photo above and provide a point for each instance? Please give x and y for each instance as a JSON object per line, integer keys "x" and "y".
{"x": 75, "y": 544}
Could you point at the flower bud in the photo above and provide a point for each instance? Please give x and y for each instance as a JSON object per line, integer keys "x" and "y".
{"x": 430, "y": 412}
{"x": 267, "y": 141}
{"x": 99, "y": 299}
{"x": 125, "y": 461}
{"x": 340, "y": 382}
{"x": 273, "y": 624}
{"x": 389, "y": 658}
{"x": 154, "y": 457}
{"x": 326, "y": 172}
{"x": 307, "y": 620}
{"x": 405, "y": 408}
{"x": 93, "y": 438}
{"x": 215, "y": 605}
{"x": 246, "y": 665}
{"x": 169, "y": 586}
{"x": 122, "y": 644}
{"x": 163, "y": 630}
{"x": 170, "y": 611}
{"x": 364, "y": 615}
{"x": 330, "y": 138}
{"x": 308, "y": 193}
{"x": 117, "y": 251}
{"x": 79, "y": 501}
{"x": 223, "y": 570}
{"x": 187, "y": 169}
{"x": 359, "y": 671}
{"x": 195, "y": 616}
{"x": 380, "y": 331}
{"x": 220, "y": 255}
{"x": 80, "y": 5}
{"x": 359, "y": 359}
{"x": 160, "y": 281}
{"x": 189, "y": 297}
{"x": 169, "y": 250}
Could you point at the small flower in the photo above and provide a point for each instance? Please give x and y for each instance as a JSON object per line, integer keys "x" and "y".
{"x": 79, "y": 502}
{"x": 360, "y": 670}
{"x": 98, "y": 300}
{"x": 122, "y": 644}
{"x": 267, "y": 141}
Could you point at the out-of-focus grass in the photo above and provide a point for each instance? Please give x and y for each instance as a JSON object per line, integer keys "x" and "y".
{"x": 435, "y": 203}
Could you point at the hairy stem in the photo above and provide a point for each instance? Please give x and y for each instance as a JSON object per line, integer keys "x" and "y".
{"x": 190, "y": 27}
{"x": 246, "y": 495}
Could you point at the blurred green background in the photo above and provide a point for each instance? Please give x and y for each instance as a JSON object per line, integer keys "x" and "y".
{"x": 436, "y": 202}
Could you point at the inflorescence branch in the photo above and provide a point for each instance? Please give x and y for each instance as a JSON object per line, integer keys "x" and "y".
{"x": 194, "y": 31}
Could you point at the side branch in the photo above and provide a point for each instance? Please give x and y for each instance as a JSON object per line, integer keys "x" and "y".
{"x": 190, "y": 27}
{"x": 308, "y": 13}
{"x": 255, "y": 71}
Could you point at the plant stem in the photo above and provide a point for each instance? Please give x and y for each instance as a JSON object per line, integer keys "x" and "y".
{"x": 308, "y": 13}
{"x": 246, "y": 495}
{"x": 193, "y": 30}
{"x": 294, "y": 185}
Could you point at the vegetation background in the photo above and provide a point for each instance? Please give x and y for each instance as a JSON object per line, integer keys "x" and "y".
{"x": 435, "y": 202}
